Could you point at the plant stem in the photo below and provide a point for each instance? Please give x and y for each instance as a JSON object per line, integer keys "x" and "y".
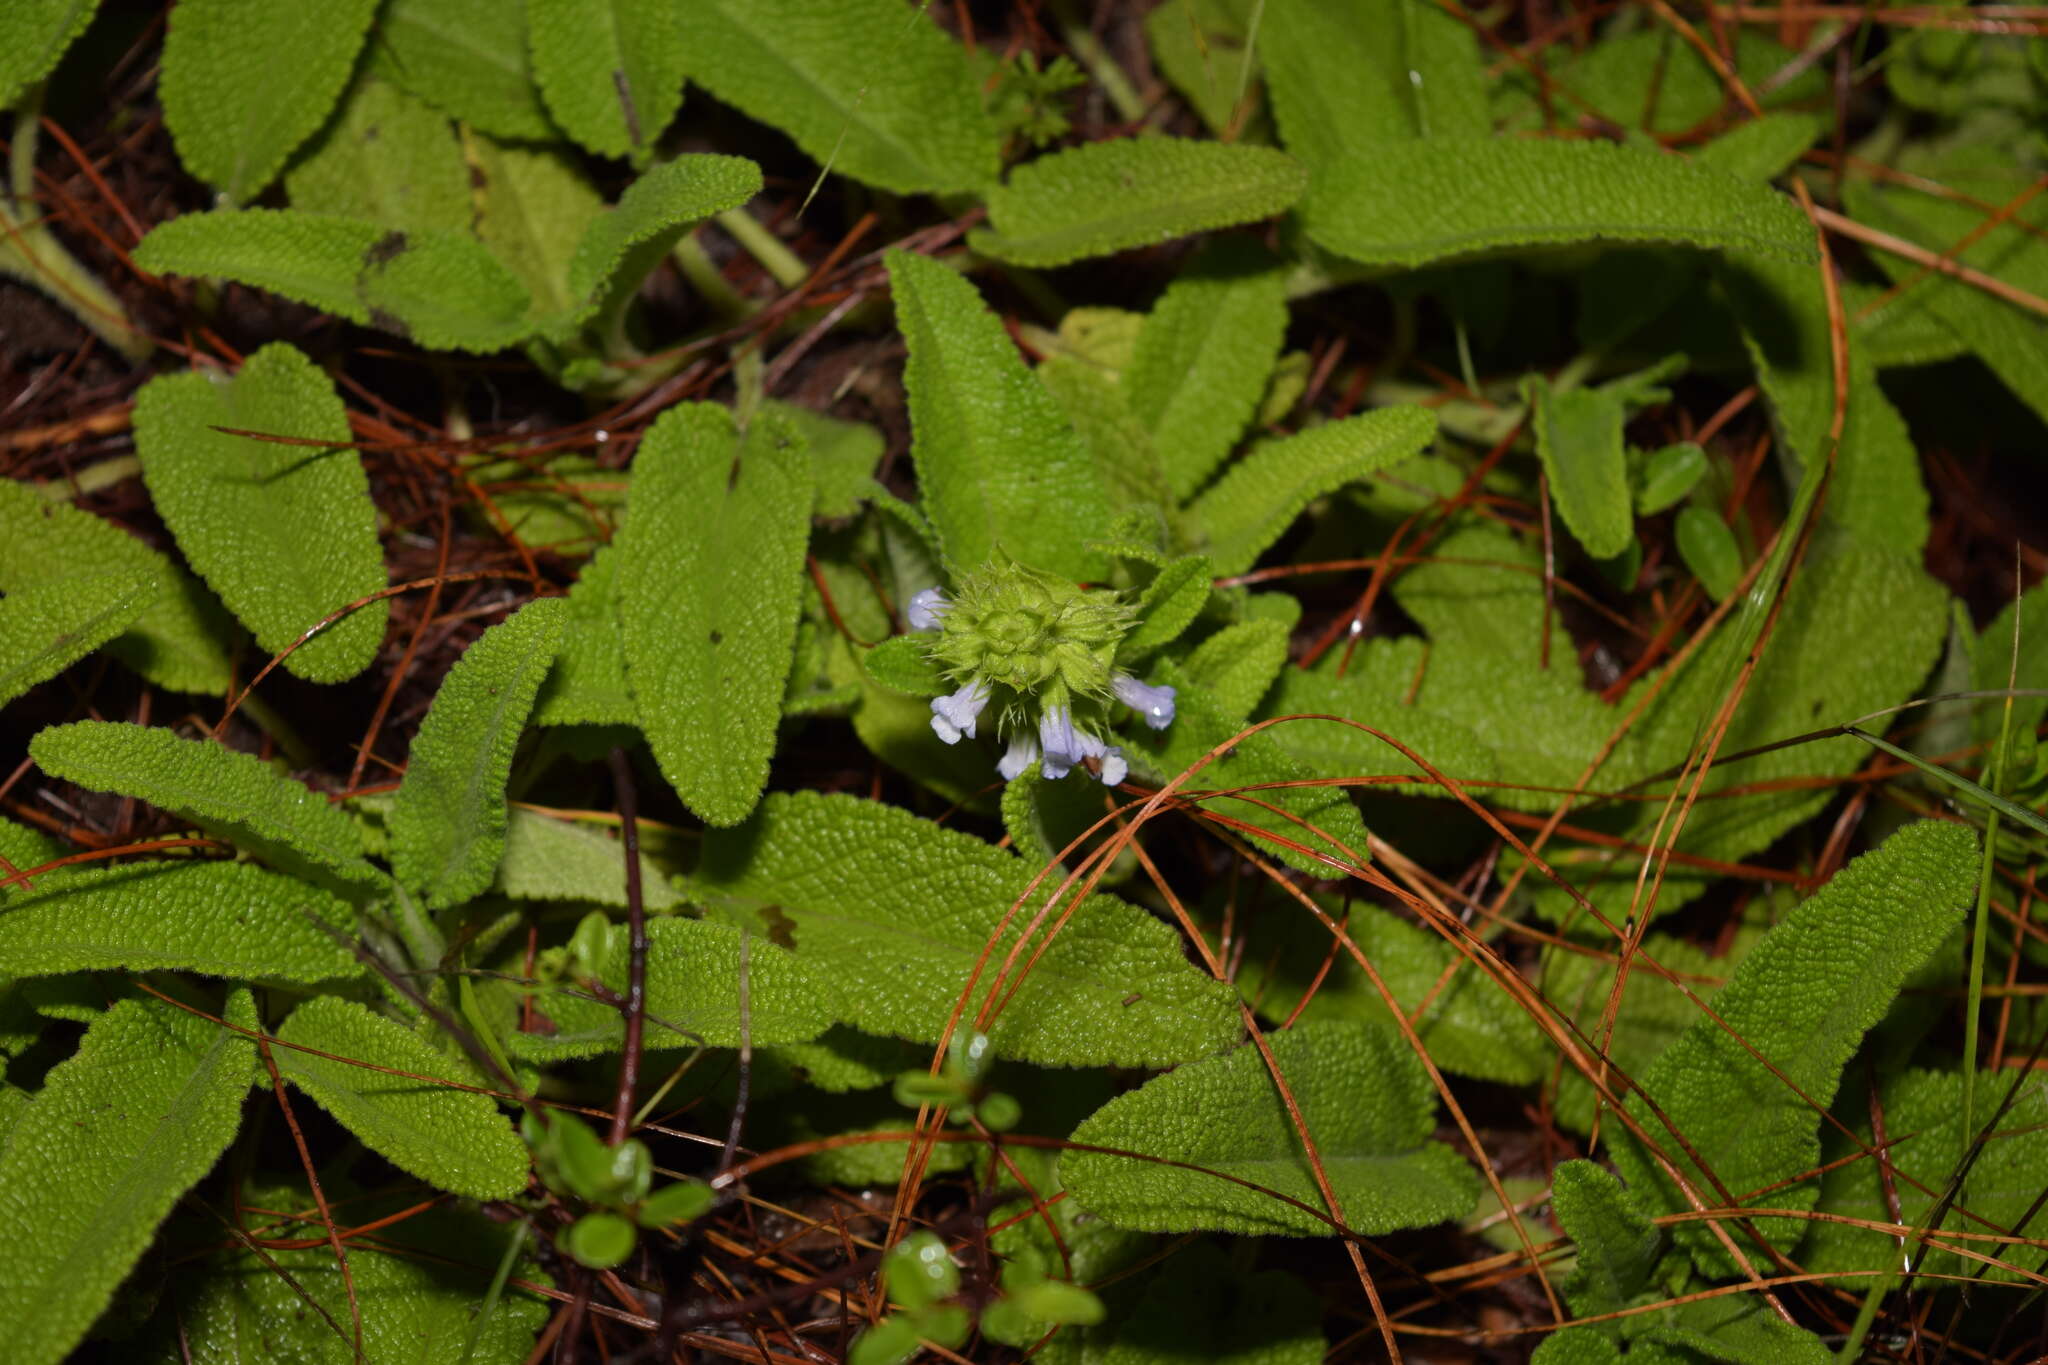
{"x": 765, "y": 247}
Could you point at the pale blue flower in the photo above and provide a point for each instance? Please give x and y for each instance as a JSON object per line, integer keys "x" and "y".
{"x": 1022, "y": 753}
{"x": 1114, "y": 768}
{"x": 1155, "y": 704}
{"x": 1061, "y": 745}
{"x": 925, "y": 609}
{"x": 954, "y": 714}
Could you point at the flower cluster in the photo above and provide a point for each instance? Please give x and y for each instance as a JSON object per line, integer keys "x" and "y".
{"x": 1042, "y": 652}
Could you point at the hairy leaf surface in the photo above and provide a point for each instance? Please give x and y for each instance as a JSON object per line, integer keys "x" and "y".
{"x": 218, "y": 918}
{"x": 440, "y": 288}
{"x": 622, "y": 245}
{"x": 611, "y": 73}
{"x": 694, "y": 994}
{"x": 455, "y": 1140}
{"x": 286, "y": 534}
{"x": 549, "y": 859}
{"x": 896, "y": 910}
{"x": 448, "y": 823}
{"x": 1578, "y": 437}
{"x": 1367, "y": 1103}
{"x": 588, "y": 683}
{"x": 117, "y": 1133}
{"x": 33, "y": 37}
{"x": 467, "y": 56}
{"x": 1802, "y": 999}
{"x": 1105, "y": 197}
{"x": 1413, "y": 202}
{"x": 233, "y": 794}
{"x": 1345, "y": 77}
{"x": 46, "y": 628}
{"x": 710, "y": 584}
{"x": 865, "y": 88}
{"x": 388, "y": 158}
{"x": 533, "y": 208}
{"x": 1203, "y": 356}
{"x": 998, "y": 466}
{"x": 1257, "y": 498}
{"x": 243, "y": 85}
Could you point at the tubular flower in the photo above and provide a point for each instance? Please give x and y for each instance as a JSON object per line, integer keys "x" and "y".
{"x": 1042, "y": 653}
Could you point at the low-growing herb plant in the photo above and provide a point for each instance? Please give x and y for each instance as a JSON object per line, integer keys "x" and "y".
{"x": 844, "y": 680}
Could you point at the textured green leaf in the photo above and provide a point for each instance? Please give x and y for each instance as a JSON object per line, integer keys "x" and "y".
{"x": 1118, "y": 443}
{"x": 1104, "y": 197}
{"x": 235, "y": 795}
{"x": 588, "y": 683}
{"x": 420, "y": 1299}
{"x": 440, "y": 288}
{"x": 1472, "y": 1026}
{"x": 1199, "y": 46}
{"x": 611, "y": 73}
{"x": 448, "y": 822}
{"x": 901, "y": 662}
{"x": 622, "y": 245}
{"x": 1652, "y": 1015}
{"x": 1419, "y": 201}
{"x": 1373, "y": 691}
{"x": 285, "y": 534}
{"x": 1578, "y": 438}
{"x": 1876, "y": 493}
{"x": 1619, "y": 1245}
{"x": 1258, "y": 497}
{"x": 243, "y": 85}
{"x": 1802, "y": 999}
{"x": 117, "y": 1133}
{"x": 1203, "y": 356}
{"x": 1923, "y": 1118}
{"x": 554, "y": 860}
{"x": 33, "y": 37}
{"x": 1367, "y": 1103}
{"x": 1763, "y": 148}
{"x": 1169, "y": 605}
{"x": 1324, "y": 819}
{"x": 1654, "y": 81}
{"x": 220, "y": 919}
{"x": 693, "y": 995}
{"x": 467, "y": 56}
{"x": 1238, "y": 663}
{"x": 710, "y": 585}
{"x": 998, "y": 466}
{"x": 175, "y": 643}
{"x": 1346, "y": 76}
{"x": 533, "y": 208}
{"x": 455, "y": 1140}
{"x": 1202, "y": 1307}
{"x": 1708, "y": 548}
{"x": 388, "y": 158}
{"x": 865, "y": 88}
{"x": 896, "y": 911}
{"x": 843, "y": 457}
{"x": 46, "y": 628}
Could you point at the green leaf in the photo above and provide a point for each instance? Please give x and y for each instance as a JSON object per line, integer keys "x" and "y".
{"x": 455, "y": 1140}
{"x": 440, "y": 288}
{"x": 1652, "y": 1015}
{"x": 864, "y": 88}
{"x": 1125, "y": 459}
{"x": 235, "y": 795}
{"x": 219, "y": 919}
{"x": 1168, "y": 606}
{"x": 1472, "y": 1026}
{"x": 710, "y": 583}
{"x": 588, "y": 683}
{"x": 117, "y": 1133}
{"x": 243, "y": 85}
{"x": 1763, "y": 148}
{"x": 998, "y": 465}
{"x": 1425, "y": 200}
{"x": 1238, "y": 663}
{"x": 1346, "y": 77}
{"x": 387, "y": 158}
{"x": 1199, "y": 46}
{"x": 1619, "y": 1245}
{"x": 422, "y": 1286}
{"x": 1374, "y": 691}
{"x": 286, "y": 534}
{"x": 46, "y": 628}
{"x": 693, "y": 995}
{"x": 901, "y": 662}
{"x": 1578, "y": 438}
{"x": 467, "y": 56}
{"x": 1203, "y": 1307}
{"x": 448, "y": 822}
{"x": 1365, "y": 1098}
{"x": 843, "y": 457}
{"x": 1324, "y": 819}
{"x": 1802, "y": 999}
{"x": 1708, "y": 548}
{"x": 533, "y": 209}
{"x": 1105, "y": 197}
{"x": 1203, "y": 356}
{"x": 612, "y": 74}
{"x": 559, "y": 860}
{"x": 33, "y": 37}
{"x": 897, "y": 911}
{"x": 1669, "y": 473}
{"x": 175, "y": 644}
{"x": 1259, "y": 497}
{"x": 622, "y": 245}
